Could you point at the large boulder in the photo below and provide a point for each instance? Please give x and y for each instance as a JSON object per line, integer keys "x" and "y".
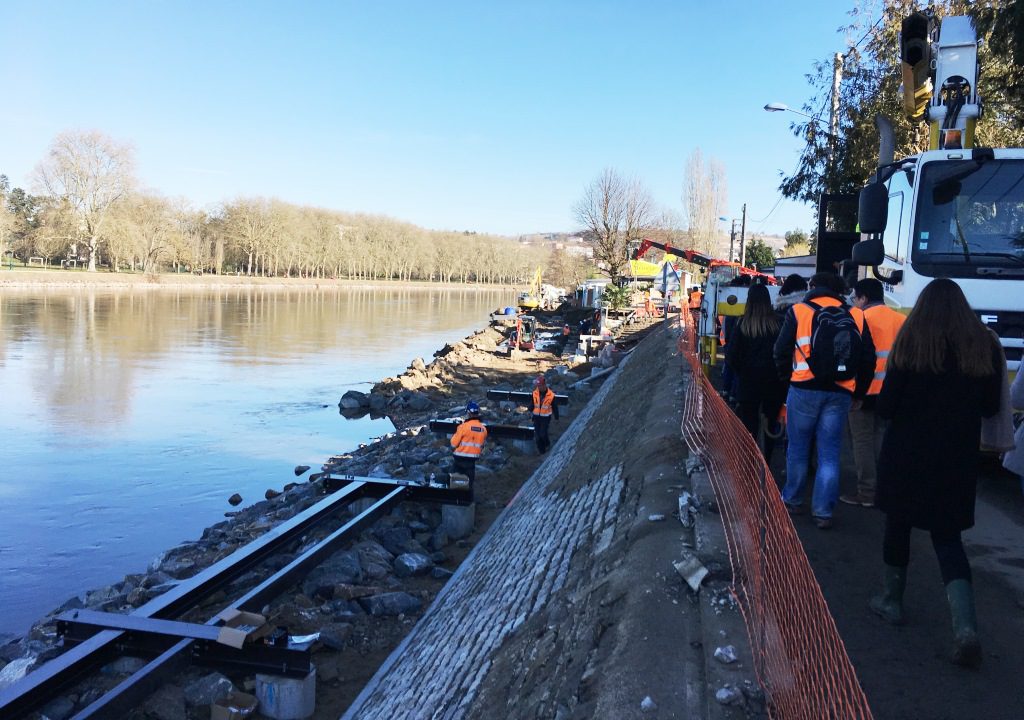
{"x": 343, "y": 568}
{"x": 207, "y": 689}
{"x": 353, "y": 399}
{"x": 393, "y": 603}
{"x": 419, "y": 402}
{"x": 399, "y": 540}
{"x": 409, "y": 564}
{"x": 167, "y": 703}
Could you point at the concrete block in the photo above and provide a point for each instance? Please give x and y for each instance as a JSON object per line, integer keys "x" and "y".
{"x": 284, "y": 698}
{"x": 457, "y": 520}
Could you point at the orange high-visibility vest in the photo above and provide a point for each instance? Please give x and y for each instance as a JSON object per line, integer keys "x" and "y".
{"x": 804, "y": 312}
{"x": 885, "y": 324}
{"x": 542, "y": 406}
{"x": 469, "y": 438}
{"x": 695, "y": 297}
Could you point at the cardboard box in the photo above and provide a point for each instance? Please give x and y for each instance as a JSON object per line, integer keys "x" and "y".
{"x": 241, "y": 626}
{"x": 235, "y": 706}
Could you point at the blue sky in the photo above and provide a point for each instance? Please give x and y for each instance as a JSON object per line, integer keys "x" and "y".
{"x": 452, "y": 115}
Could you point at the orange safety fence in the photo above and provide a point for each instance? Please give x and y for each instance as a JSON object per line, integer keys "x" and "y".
{"x": 799, "y": 658}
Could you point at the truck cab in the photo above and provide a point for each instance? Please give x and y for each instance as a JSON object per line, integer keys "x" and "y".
{"x": 957, "y": 214}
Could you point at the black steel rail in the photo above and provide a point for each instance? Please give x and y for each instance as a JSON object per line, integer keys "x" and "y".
{"x": 133, "y": 690}
{"x": 514, "y": 432}
{"x": 173, "y": 652}
{"x": 522, "y": 396}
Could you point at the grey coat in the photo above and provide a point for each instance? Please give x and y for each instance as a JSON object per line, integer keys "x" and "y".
{"x": 1014, "y": 459}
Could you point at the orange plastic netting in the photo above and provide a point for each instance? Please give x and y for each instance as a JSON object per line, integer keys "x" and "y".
{"x": 799, "y": 658}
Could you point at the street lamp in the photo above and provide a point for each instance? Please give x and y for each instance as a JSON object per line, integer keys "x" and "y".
{"x": 783, "y": 107}
{"x": 831, "y": 133}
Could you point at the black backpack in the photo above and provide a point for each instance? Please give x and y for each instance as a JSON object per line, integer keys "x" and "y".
{"x": 836, "y": 344}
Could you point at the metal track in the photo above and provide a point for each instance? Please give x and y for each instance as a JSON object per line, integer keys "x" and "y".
{"x": 522, "y": 396}
{"x": 81, "y": 661}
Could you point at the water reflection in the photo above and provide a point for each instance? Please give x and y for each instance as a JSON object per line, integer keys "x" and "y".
{"x": 129, "y": 417}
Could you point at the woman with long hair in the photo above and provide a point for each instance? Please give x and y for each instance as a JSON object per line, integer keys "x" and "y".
{"x": 749, "y": 354}
{"x": 943, "y": 376}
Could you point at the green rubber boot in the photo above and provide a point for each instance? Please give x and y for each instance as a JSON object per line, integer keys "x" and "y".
{"x": 889, "y": 605}
{"x": 966, "y": 647}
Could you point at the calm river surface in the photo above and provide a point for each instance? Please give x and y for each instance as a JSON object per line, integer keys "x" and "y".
{"x": 129, "y": 417}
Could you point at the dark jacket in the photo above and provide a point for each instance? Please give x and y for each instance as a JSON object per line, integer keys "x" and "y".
{"x": 751, "y": 359}
{"x": 930, "y": 452}
{"x": 786, "y": 344}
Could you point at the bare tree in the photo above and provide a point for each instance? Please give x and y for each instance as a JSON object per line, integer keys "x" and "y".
{"x": 90, "y": 172}
{"x": 705, "y": 197}
{"x": 614, "y": 212}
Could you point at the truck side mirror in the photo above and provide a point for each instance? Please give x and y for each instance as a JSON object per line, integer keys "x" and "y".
{"x": 873, "y": 208}
{"x": 869, "y": 252}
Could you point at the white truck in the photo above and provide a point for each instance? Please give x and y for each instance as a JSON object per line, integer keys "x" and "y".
{"x": 956, "y": 210}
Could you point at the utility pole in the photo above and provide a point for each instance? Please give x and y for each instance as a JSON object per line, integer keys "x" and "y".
{"x": 743, "y": 238}
{"x": 732, "y": 240}
{"x": 833, "y": 120}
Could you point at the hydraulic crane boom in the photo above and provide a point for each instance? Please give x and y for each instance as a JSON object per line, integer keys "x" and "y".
{"x": 940, "y": 77}
{"x": 698, "y": 258}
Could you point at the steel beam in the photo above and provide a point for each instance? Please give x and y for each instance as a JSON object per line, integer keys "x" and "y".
{"x": 149, "y": 637}
{"x": 46, "y": 682}
{"x": 522, "y": 396}
{"x": 416, "y": 492}
{"x": 514, "y": 432}
{"x": 132, "y": 691}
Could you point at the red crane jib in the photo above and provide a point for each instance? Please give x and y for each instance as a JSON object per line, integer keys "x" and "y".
{"x": 699, "y": 258}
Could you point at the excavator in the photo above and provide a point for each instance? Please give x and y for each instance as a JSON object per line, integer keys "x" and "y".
{"x": 531, "y": 299}
{"x": 955, "y": 210}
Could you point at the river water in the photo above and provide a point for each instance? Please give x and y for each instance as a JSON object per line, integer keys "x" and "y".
{"x": 129, "y": 417}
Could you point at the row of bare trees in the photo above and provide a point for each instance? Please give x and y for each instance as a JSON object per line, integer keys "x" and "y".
{"x": 617, "y": 212}
{"x": 88, "y": 208}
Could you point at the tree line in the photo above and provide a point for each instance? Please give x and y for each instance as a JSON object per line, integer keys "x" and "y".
{"x": 87, "y": 208}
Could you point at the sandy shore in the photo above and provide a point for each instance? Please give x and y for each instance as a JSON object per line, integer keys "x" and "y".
{"x": 21, "y": 279}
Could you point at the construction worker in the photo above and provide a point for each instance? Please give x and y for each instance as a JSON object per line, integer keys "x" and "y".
{"x": 821, "y": 332}
{"x": 866, "y": 429}
{"x": 468, "y": 441}
{"x": 543, "y": 408}
{"x": 695, "y": 297}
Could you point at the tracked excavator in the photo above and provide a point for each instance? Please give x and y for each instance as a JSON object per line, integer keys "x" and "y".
{"x": 955, "y": 210}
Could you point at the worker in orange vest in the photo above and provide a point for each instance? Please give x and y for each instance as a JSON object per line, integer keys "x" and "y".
{"x": 543, "y": 409}
{"x": 866, "y": 428}
{"x": 468, "y": 442}
{"x": 695, "y": 297}
{"x": 826, "y": 352}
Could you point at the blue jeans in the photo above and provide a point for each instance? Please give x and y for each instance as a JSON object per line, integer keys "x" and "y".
{"x": 822, "y": 415}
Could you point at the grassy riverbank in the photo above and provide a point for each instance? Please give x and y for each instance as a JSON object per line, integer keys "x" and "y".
{"x": 45, "y": 277}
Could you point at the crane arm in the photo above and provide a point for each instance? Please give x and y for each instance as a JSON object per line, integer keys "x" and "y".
{"x": 940, "y": 77}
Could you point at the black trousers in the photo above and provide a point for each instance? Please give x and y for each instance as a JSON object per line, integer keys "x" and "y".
{"x": 750, "y": 415}
{"x": 464, "y": 465}
{"x": 540, "y": 432}
{"x": 948, "y": 549}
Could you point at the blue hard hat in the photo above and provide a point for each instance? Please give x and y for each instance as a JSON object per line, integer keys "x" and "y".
{"x": 472, "y": 408}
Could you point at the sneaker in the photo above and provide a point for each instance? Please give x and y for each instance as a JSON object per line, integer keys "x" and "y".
{"x": 858, "y": 499}
{"x": 823, "y": 523}
{"x": 794, "y": 509}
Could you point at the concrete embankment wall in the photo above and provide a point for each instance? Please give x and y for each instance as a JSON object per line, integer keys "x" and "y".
{"x": 522, "y": 560}
{"x": 569, "y": 606}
